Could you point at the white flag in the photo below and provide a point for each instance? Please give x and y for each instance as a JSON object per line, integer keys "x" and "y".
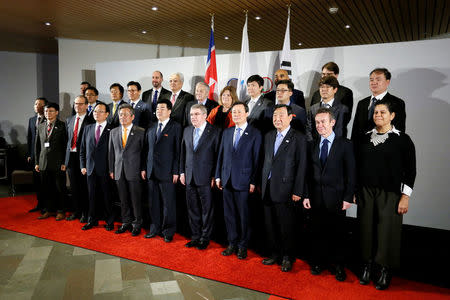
{"x": 244, "y": 66}
{"x": 285, "y": 59}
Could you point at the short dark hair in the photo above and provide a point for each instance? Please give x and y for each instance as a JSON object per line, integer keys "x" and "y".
{"x": 240, "y": 103}
{"x": 384, "y": 71}
{"x": 288, "y": 108}
{"x": 42, "y": 99}
{"x": 289, "y": 84}
{"x": 118, "y": 85}
{"x": 85, "y": 82}
{"x": 52, "y": 105}
{"x": 332, "y": 66}
{"x": 326, "y": 110}
{"x": 127, "y": 106}
{"x": 166, "y": 102}
{"x": 160, "y": 73}
{"x": 387, "y": 103}
{"x": 92, "y": 88}
{"x": 137, "y": 84}
{"x": 82, "y": 96}
{"x": 104, "y": 104}
{"x": 329, "y": 80}
{"x": 256, "y": 78}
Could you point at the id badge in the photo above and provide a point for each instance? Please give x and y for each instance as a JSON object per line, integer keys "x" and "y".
{"x": 46, "y": 144}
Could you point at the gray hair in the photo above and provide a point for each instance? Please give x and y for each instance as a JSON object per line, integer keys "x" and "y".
{"x": 180, "y": 76}
{"x": 201, "y": 107}
{"x": 203, "y": 84}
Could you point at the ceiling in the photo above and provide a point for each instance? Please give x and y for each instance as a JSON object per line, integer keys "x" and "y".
{"x": 186, "y": 23}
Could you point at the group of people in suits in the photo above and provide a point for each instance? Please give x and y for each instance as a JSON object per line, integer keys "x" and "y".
{"x": 272, "y": 148}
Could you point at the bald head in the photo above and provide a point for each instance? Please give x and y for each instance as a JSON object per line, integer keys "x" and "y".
{"x": 281, "y": 75}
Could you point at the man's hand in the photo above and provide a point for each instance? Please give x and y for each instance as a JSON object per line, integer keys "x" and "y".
{"x": 252, "y": 188}
{"x": 28, "y": 159}
{"x": 175, "y": 178}
{"x": 36, "y": 167}
{"x": 183, "y": 179}
{"x": 296, "y": 198}
{"x": 219, "y": 184}
{"x": 143, "y": 173}
{"x": 306, "y": 203}
{"x": 346, "y": 205}
{"x": 111, "y": 175}
{"x": 403, "y": 205}
{"x": 63, "y": 168}
{"x": 83, "y": 171}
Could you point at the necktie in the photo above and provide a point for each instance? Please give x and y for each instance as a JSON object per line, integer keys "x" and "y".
{"x": 324, "y": 152}
{"x": 174, "y": 96}
{"x": 196, "y": 137}
{"x": 38, "y": 121}
{"x": 49, "y": 129}
{"x": 132, "y": 104}
{"x": 237, "y": 137}
{"x": 89, "y": 108}
{"x": 158, "y": 133}
{"x": 155, "y": 97}
{"x": 277, "y": 144}
{"x": 373, "y": 101}
{"x": 75, "y": 134}
{"x": 114, "y": 108}
{"x": 326, "y": 105}
{"x": 251, "y": 104}
{"x": 124, "y": 137}
{"x": 97, "y": 134}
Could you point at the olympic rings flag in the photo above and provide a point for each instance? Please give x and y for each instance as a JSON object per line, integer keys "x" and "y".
{"x": 244, "y": 66}
{"x": 285, "y": 61}
{"x": 211, "y": 67}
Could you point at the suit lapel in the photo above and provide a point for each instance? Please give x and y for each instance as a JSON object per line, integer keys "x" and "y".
{"x": 244, "y": 137}
{"x": 204, "y": 136}
{"x": 331, "y": 153}
{"x": 287, "y": 140}
{"x": 180, "y": 98}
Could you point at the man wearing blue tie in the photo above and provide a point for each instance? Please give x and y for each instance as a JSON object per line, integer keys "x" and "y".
{"x": 236, "y": 175}
{"x": 156, "y": 93}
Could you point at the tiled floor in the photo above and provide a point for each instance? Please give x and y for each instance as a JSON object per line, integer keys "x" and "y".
{"x": 35, "y": 268}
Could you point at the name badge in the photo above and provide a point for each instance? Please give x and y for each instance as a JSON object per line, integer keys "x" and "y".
{"x": 46, "y": 144}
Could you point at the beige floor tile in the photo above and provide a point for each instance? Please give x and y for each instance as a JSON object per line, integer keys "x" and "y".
{"x": 108, "y": 276}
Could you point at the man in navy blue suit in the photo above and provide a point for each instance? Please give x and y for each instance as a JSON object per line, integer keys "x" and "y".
{"x": 197, "y": 167}
{"x": 116, "y": 92}
{"x": 283, "y": 181}
{"x": 330, "y": 192}
{"x": 94, "y": 164}
{"x": 142, "y": 110}
{"x": 236, "y": 175}
{"x": 162, "y": 146}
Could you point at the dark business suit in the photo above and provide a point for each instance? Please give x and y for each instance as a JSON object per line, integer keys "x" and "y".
{"x": 362, "y": 123}
{"x": 210, "y": 105}
{"x": 91, "y": 113}
{"x": 298, "y": 120}
{"x": 286, "y": 169}
{"x": 114, "y": 119}
{"x": 199, "y": 167}
{"x": 31, "y": 141}
{"x": 237, "y": 169}
{"x": 126, "y": 164}
{"x": 78, "y": 183}
{"x": 162, "y": 162}
{"x": 142, "y": 114}
{"x": 344, "y": 95}
{"x": 256, "y": 118}
{"x": 50, "y": 159}
{"x": 328, "y": 187}
{"x": 341, "y": 114}
{"x": 94, "y": 157}
{"x": 178, "y": 113}
{"x": 297, "y": 97}
{"x": 147, "y": 98}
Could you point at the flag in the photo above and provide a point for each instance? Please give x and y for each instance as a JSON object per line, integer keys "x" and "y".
{"x": 244, "y": 66}
{"x": 211, "y": 68}
{"x": 285, "y": 59}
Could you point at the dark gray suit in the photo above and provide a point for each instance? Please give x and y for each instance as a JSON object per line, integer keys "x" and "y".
{"x": 256, "y": 118}
{"x": 178, "y": 113}
{"x": 147, "y": 98}
{"x": 344, "y": 95}
{"x": 31, "y": 141}
{"x": 114, "y": 119}
{"x": 341, "y": 113}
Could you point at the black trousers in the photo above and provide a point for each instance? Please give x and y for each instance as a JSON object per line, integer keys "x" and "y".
{"x": 130, "y": 199}
{"x": 380, "y": 226}
{"x": 94, "y": 181}
{"x": 162, "y": 206}
{"x": 78, "y": 186}
{"x": 37, "y": 186}
{"x": 235, "y": 206}
{"x": 200, "y": 211}
{"x": 54, "y": 188}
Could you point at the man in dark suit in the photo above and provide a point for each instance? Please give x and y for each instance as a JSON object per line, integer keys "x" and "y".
{"x": 197, "y": 167}
{"x": 380, "y": 79}
{"x": 50, "y": 150}
{"x": 126, "y": 162}
{"x": 91, "y": 93}
{"x": 257, "y": 104}
{"x": 297, "y": 96}
{"x": 142, "y": 110}
{"x": 236, "y": 169}
{"x": 156, "y": 93}
{"x": 344, "y": 95}
{"x": 328, "y": 87}
{"x": 284, "y": 93}
{"x": 179, "y": 99}
{"x": 33, "y": 124}
{"x": 83, "y": 87}
{"x": 116, "y": 92}
{"x": 201, "y": 95}
{"x": 94, "y": 165}
{"x": 78, "y": 184}
{"x": 162, "y": 146}
{"x": 330, "y": 192}
{"x": 282, "y": 184}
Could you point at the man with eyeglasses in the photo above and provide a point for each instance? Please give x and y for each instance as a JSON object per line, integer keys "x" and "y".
{"x": 142, "y": 110}
{"x": 91, "y": 93}
{"x": 297, "y": 96}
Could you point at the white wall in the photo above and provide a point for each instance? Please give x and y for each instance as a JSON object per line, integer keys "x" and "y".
{"x": 421, "y": 72}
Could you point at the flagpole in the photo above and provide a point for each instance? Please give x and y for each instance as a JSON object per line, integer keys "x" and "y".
{"x": 211, "y": 68}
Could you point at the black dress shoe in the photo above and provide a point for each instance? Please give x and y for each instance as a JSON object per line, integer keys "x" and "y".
{"x": 316, "y": 270}
{"x": 109, "y": 227}
{"x": 124, "y": 228}
{"x": 269, "y": 261}
{"x": 286, "y": 265}
{"x": 83, "y": 219}
{"x": 365, "y": 277}
{"x": 34, "y": 209}
{"x": 193, "y": 243}
{"x": 71, "y": 217}
{"x": 385, "y": 279}
{"x": 242, "y": 253}
{"x": 168, "y": 238}
{"x": 230, "y": 250}
{"x": 136, "y": 231}
{"x": 202, "y": 245}
{"x": 340, "y": 273}
{"x": 89, "y": 225}
{"x": 150, "y": 235}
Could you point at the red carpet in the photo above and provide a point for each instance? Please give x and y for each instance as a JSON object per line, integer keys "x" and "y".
{"x": 298, "y": 284}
